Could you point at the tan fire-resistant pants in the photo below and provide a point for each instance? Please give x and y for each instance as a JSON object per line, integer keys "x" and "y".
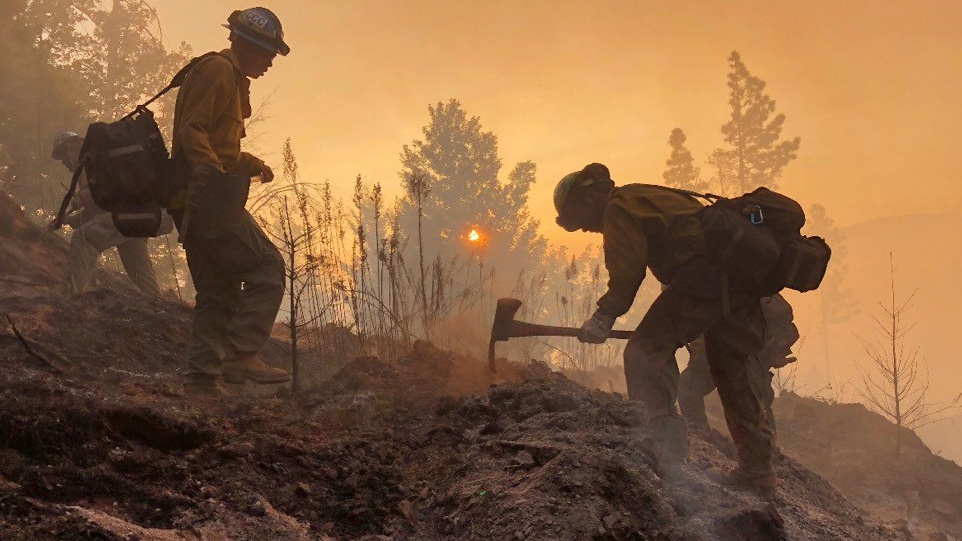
{"x": 696, "y": 383}
{"x": 698, "y": 301}
{"x": 98, "y": 234}
{"x": 239, "y": 277}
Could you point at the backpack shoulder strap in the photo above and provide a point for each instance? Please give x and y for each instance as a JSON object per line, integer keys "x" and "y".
{"x": 73, "y": 186}
{"x": 710, "y": 197}
{"x": 178, "y": 78}
{"x": 175, "y": 81}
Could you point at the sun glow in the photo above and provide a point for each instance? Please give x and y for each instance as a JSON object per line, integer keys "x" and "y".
{"x": 474, "y": 236}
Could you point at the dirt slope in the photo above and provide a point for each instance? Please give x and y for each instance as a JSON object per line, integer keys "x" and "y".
{"x": 97, "y": 442}
{"x": 855, "y": 450}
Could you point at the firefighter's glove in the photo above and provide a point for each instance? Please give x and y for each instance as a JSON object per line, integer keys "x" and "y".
{"x": 782, "y": 361}
{"x": 267, "y": 174}
{"x": 596, "y": 329}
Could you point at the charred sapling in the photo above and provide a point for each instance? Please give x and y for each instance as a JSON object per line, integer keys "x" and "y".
{"x": 895, "y": 380}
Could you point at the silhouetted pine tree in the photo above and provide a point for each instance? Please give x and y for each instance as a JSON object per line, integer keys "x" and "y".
{"x": 681, "y": 172}
{"x": 755, "y": 155}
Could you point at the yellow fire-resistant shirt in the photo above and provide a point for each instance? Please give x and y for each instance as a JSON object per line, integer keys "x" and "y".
{"x": 212, "y": 105}
{"x": 646, "y": 226}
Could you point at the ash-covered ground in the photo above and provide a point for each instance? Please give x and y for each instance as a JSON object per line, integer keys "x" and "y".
{"x": 97, "y": 441}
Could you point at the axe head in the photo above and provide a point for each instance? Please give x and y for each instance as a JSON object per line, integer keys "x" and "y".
{"x": 501, "y": 328}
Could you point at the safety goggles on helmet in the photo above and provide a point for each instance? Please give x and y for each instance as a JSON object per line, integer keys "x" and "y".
{"x": 261, "y": 27}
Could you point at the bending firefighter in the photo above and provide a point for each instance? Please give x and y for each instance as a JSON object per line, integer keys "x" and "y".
{"x": 237, "y": 271}
{"x": 696, "y": 382}
{"x": 651, "y": 227}
{"x": 94, "y": 230}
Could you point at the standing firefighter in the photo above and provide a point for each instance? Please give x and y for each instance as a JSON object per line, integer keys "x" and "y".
{"x": 94, "y": 230}
{"x": 237, "y": 271}
{"x": 646, "y": 226}
{"x": 696, "y": 381}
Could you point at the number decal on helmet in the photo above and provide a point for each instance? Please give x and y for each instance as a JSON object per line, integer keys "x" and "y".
{"x": 256, "y": 19}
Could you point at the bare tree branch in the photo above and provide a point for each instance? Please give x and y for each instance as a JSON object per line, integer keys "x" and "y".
{"x": 893, "y": 382}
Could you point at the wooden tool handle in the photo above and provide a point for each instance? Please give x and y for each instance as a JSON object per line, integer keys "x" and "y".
{"x": 521, "y": 328}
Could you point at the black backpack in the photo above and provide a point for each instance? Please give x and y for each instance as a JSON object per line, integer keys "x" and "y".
{"x": 757, "y": 239}
{"x": 128, "y": 167}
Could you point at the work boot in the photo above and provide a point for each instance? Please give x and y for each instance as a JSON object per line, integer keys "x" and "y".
{"x": 208, "y": 387}
{"x": 761, "y": 484}
{"x": 253, "y": 369}
{"x": 671, "y": 432}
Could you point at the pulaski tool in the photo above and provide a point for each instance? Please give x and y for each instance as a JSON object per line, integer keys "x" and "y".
{"x": 505, "y": 327}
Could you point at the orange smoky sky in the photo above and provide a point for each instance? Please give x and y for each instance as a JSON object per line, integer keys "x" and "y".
{"x": 871, "y": 88}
